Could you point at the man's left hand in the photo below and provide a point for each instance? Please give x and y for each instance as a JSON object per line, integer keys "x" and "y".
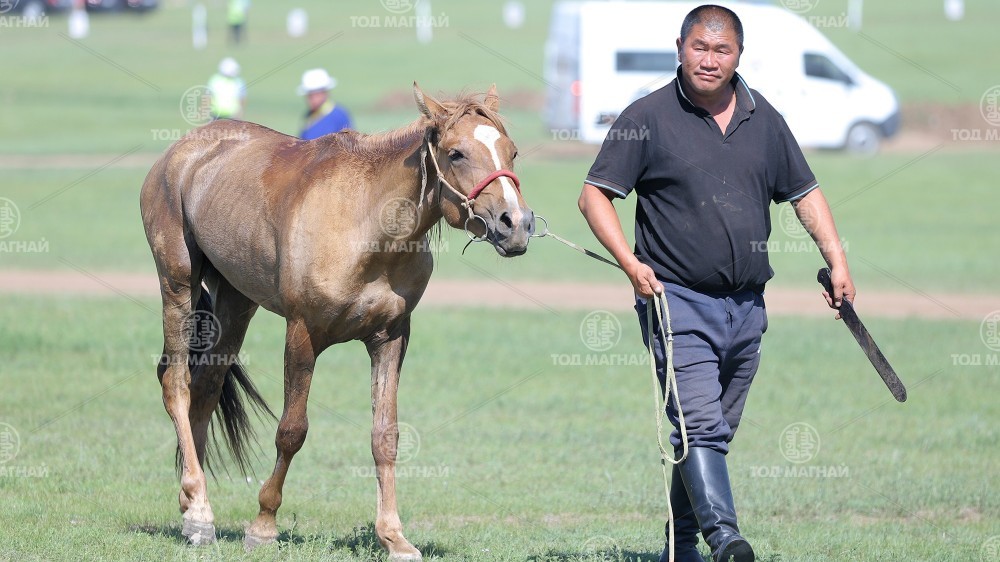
{"x": 843, "y": 287}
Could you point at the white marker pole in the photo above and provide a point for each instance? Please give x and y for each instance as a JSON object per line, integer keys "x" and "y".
{"x": 297, "y": 23}
{"x": 854, "y": 12}
{"x": 954, "y": 10}
{"x": 425, "y": 28}
{"x": 199, "y": 26}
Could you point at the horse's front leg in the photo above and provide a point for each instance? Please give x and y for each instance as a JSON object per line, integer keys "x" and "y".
{"x": 300, "y": 360}
{"x": 387, "y": 349}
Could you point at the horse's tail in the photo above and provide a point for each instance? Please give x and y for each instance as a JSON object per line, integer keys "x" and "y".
{"x": 232, "y": 411}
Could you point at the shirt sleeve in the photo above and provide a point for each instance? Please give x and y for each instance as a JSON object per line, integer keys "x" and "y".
{"x": 793, "y": 177}
{"x": 622, "y": 159}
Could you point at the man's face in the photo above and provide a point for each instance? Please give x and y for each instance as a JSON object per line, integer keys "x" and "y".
{"x": 709, "y": 58}
{"x": 316, "y": 99}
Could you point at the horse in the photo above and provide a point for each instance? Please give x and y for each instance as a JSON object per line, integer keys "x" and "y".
{"x": 331, "y": 234}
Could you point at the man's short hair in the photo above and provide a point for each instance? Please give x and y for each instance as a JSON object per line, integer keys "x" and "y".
{"x": 715, "y": 18}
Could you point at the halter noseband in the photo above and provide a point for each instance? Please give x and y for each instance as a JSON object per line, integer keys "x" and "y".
{"x": 488, "y": 179}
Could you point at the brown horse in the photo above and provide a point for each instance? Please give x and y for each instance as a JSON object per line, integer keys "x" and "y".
{"x": 331, "y": 234}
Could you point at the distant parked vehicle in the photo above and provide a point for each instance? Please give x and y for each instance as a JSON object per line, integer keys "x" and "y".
{"x": 34, "y": 8}
{"x": 594, "y": 70}
{"x": 116, "y": 5}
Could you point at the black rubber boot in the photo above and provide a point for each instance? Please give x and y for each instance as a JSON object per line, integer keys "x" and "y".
{"x": 685, "y": 525}
{"x": 706, "y": 479}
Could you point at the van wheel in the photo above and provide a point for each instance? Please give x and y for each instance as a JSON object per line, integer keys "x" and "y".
{"x": 863, "y": 138}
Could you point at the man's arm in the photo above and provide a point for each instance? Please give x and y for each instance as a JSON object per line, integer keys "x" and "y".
{"x": 596, "y": 206}
{"x": 814, "y": 214}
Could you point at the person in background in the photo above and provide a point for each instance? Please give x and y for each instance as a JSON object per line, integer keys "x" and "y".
{"x": 236, "y": 15}
{"x": 228, "y": 91}
{"x": 324, "y": 116}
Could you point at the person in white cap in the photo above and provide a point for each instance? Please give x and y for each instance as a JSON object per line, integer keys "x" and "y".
{"x": 228, "y": 91}
{"x": 324, "y": 116}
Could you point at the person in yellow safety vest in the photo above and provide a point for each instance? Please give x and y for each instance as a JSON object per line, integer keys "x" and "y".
{"x": 228, "y": 91}
{"x": 236, "y": 14}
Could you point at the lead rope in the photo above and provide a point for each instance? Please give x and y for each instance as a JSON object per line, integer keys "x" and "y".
{"x": 658, "y": 302}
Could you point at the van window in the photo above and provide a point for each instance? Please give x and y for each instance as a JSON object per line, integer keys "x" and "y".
{"x": 645, "y": 61}
{"x": 818, "y": 66}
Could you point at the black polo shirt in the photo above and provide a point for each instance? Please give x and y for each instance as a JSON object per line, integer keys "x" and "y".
{"x": 702, "y": 218}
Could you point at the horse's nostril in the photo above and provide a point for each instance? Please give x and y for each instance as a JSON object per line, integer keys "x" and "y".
{"x": 506, "y": 222}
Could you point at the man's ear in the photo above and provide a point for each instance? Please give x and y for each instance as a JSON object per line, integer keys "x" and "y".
{"x": 679, "y": 50}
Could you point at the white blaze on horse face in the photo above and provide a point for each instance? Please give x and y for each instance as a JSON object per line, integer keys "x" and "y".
{"x": 489, "y": 136}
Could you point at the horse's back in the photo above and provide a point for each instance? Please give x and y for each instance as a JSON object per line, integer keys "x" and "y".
{"x": 234, "y": 186}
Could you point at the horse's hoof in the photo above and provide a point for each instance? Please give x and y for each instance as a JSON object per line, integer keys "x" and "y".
{"x": 251, "y": 542}
{"x": 198, "y": 534}
{"x": 405, "y": 557}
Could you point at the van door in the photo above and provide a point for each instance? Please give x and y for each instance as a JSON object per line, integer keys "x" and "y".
{"x": 820, "y": 116}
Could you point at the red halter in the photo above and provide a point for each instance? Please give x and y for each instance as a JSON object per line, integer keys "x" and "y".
{"x": 489, "y": 179}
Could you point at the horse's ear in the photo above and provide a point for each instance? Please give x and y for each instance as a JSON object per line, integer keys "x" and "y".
{"x": 492, "y": 101}
{"x": 428, "y": 106}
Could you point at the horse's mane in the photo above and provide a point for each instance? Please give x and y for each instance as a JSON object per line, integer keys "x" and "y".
{"x": 393, "y": 142}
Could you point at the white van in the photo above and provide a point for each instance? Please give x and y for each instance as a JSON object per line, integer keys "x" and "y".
{"x": 601, "y": 56}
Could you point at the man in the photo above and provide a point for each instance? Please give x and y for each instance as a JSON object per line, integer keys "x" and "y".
{"x": 236, "y": 16}
{"x": 706, "y": 155}
{"x": 324, "y": 116}
{"x": 227, "y": 90}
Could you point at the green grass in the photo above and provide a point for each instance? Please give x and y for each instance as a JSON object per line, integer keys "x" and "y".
{"x": 111, "y": 91}
{"x": 901, "y": 218}
{"x": 519, "y": 459}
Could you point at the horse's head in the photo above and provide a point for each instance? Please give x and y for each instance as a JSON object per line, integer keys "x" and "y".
{"x": 475, "y": 160}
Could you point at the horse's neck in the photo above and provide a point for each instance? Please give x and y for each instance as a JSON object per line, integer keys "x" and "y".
{"x": 409, "y": 191}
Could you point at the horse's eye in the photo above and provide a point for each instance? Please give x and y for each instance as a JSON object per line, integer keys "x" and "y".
{"x": 455, "y": 155}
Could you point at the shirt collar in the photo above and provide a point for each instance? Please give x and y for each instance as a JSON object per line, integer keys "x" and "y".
{"x": 744, "y": 98}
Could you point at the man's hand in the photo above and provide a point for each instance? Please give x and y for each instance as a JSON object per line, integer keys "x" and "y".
{"x": 814, "y": 213}
{"x": 843, "y": 287}
{"x": 643, "y": 279}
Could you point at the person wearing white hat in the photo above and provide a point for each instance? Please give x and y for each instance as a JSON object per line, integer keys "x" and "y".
{"x": 323, "y": 116}
{"x": 228, "y": 91}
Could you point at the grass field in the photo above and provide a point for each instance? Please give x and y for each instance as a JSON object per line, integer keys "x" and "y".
{"x": 521, "y": 457}
{"x": 915, "y": 225}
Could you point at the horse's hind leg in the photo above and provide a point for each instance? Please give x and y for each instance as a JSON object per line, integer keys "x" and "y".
{"x": 231, "y": 314}
{"x": 179, "y": 287}
{"x": 300, "y": 360}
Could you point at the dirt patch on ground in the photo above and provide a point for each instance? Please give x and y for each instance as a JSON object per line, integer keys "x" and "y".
{"x": 537, "y": 295}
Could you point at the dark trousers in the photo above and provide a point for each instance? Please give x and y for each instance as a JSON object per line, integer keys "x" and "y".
{"x": 716, "y": 353}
